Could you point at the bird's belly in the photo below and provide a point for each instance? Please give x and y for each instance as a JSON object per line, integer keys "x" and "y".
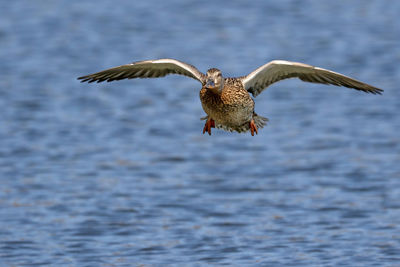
{"x": 230, "y": 115}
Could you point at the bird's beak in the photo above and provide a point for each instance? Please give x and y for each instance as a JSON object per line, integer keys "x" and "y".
{"x": 210, "y": 84}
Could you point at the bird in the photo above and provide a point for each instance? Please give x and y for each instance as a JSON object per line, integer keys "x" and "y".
{"x": 227, "y": 101}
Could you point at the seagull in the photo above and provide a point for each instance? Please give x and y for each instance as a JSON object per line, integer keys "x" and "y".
{"x": 227, "y": 101}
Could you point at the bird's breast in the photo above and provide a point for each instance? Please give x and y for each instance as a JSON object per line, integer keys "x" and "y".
{"x": 233, "y": 106}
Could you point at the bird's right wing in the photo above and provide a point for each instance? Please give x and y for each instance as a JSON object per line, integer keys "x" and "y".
{"x": 145, "y": 69}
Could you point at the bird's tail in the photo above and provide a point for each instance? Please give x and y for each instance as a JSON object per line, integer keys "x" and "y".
{"x": 259, "y": 121}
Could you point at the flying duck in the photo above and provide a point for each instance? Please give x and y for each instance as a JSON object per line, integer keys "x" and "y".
{"x": 227, "y": 101}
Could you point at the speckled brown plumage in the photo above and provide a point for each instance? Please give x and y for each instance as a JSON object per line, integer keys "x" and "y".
{"x": 227, "y": 101}
{"x": 232, "y": 109}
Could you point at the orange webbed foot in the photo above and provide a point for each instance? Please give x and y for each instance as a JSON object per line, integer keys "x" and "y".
{"x": 210, "y": 123}
{"x": 253, "y": 127}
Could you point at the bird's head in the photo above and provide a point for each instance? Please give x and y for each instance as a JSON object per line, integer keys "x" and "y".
{"x": 214, "y": 80}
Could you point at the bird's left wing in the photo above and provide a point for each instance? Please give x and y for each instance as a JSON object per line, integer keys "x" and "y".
{"x": 277, "y": 70}
{"x": 145, "y": 69}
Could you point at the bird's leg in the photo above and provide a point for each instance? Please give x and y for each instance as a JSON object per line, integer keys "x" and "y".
{"x": 210, "y": 123}
{"x": 253, "y": 127}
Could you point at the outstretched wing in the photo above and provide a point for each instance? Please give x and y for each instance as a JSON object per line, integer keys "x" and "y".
{"x": 145, "y": 69}
{"x": 277, "y": 70}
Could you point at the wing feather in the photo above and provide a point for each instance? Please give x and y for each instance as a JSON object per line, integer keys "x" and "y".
{"x": 278, "y": 70}
{"x": 145, "y": 69}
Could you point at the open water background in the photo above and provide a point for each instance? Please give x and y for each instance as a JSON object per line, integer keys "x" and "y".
{"x": 119, "y": 174}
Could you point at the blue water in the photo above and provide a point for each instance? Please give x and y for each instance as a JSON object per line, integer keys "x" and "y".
{"x": 120, "y": 174}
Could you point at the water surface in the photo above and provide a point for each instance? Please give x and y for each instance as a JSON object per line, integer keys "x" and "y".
{"x": 120, "y": 174}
